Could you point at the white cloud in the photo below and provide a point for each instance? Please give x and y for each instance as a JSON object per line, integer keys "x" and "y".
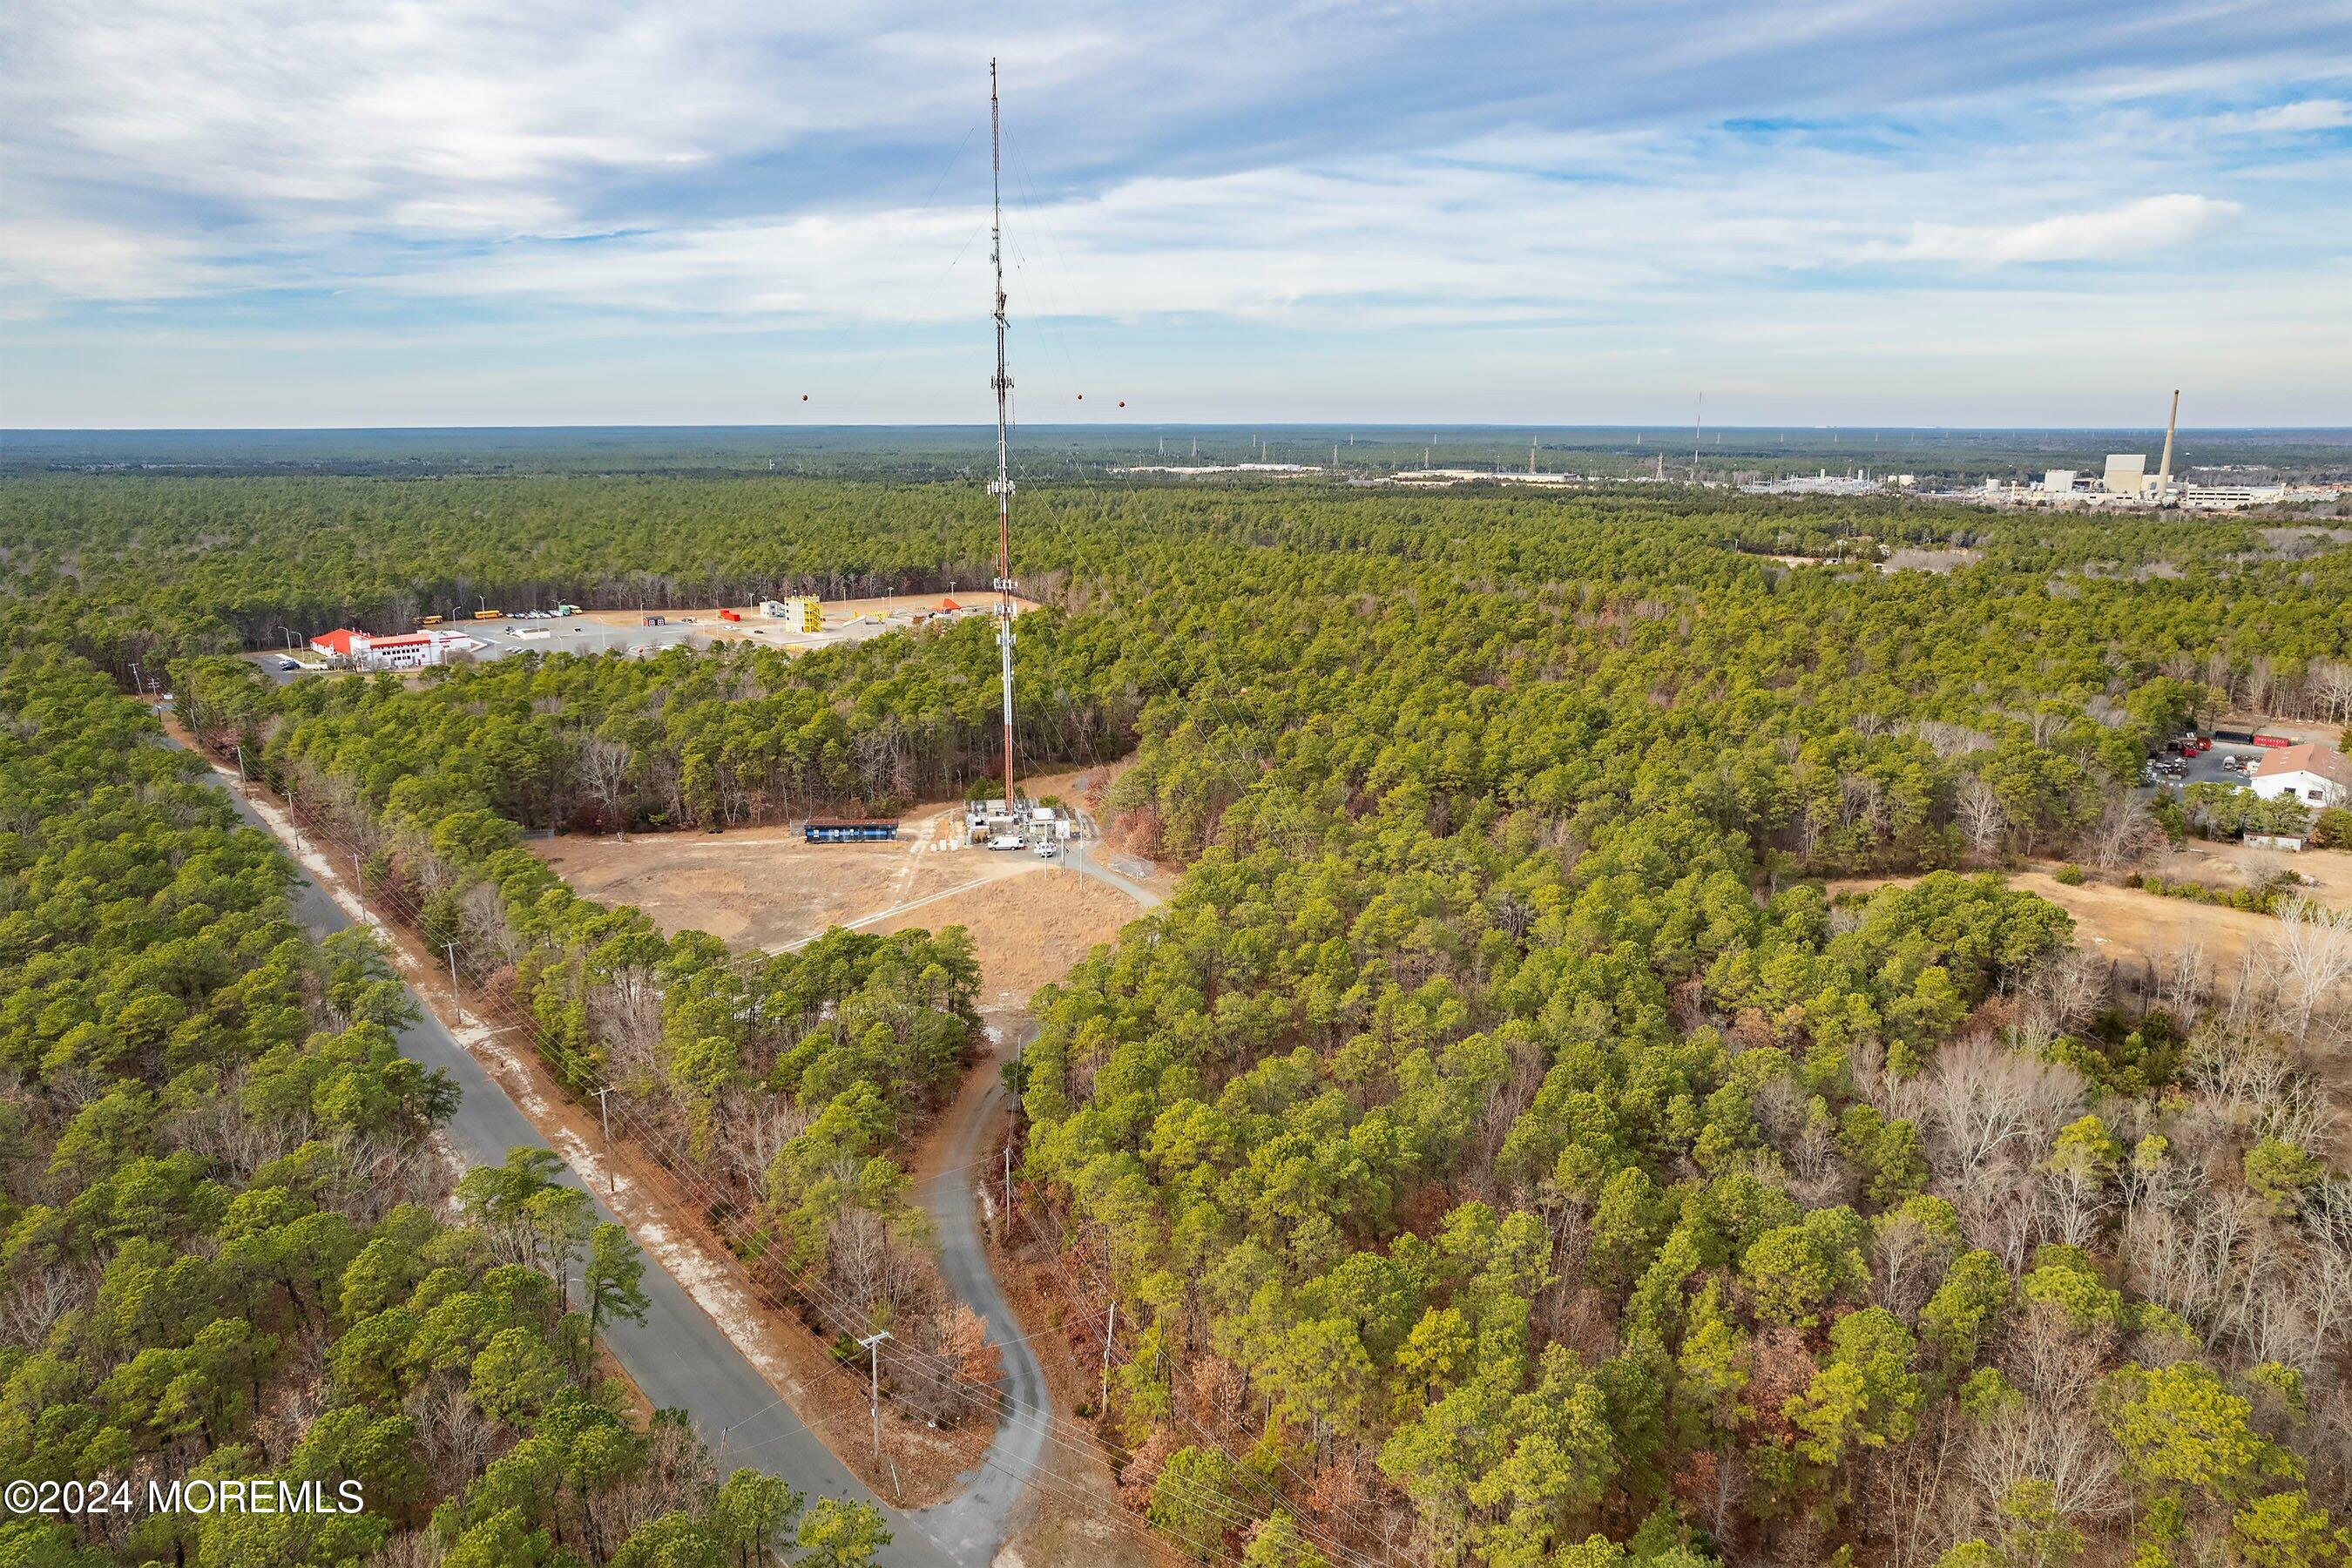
{"x": 2153, "y": 222}
{"x": 45, "y": 257}
{"x": 1675, "y": 181}
{"x": 2289, "y": 118}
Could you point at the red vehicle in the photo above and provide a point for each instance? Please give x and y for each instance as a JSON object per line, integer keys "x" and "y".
{"x": 2204, "y": 744}
{"x": 730, "y": 615}
{"x": 2272, "y": 741}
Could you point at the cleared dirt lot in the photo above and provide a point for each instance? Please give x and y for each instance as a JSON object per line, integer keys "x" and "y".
{"x": 767, "y": 887}
{"x": 2130, "y": 927}
{"x": 2234, "y": 866}
{"x": 1027, "y": 930}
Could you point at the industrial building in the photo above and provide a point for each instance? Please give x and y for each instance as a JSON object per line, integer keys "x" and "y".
{"x": 408, "y": 650}
{"x": 2127, "y": 476}
{"x": 1044, "y": 828}
{"x": 800, "y": 613}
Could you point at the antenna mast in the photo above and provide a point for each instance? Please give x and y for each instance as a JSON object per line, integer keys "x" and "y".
{"x": 1003, "y": 489}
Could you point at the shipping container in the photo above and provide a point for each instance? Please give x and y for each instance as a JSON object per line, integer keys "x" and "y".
{"x": 849, "y": 830}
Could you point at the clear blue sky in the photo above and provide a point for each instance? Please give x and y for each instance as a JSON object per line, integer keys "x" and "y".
{"x": 1867, "y": 212}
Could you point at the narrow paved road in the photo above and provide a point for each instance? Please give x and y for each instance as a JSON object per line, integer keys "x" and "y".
{"x": 973, "y": 1524}
{"x": 1082, "y": 860}
{"x": 977, "y": 1521}
{"x": 678, "y": 1356}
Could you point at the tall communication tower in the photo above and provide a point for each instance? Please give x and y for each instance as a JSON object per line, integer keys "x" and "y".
{"x": 1003, "y": 489}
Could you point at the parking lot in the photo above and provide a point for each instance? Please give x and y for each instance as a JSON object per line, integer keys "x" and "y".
{"x": 2213, "y": 767}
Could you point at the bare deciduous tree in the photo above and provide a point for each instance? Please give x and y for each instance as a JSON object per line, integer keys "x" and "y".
{"x": 2182, "y": 985}
{"x": 2126, "y": 831}
{"x": 1986, "y": 1103}
{"x": 1981, "y": 815}
{"x": 2329, "y": 684}
{"x": 2311, "y": 957}
{"x": 2061, "y": 995}
{"x": 603, "y": 767}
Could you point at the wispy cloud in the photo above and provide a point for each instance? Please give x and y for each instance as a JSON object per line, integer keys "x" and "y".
{"x": 1623, "y": 182}
{"x": 2288, "y": 119}
{"x": 2153, "y": 222}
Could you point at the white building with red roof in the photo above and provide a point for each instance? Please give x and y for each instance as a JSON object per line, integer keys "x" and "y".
{"x": 407, "y": 650}
{"x": 2315, "y": 776}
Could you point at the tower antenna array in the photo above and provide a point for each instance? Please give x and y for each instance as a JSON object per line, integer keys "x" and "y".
{"x": 1003, "y": 489}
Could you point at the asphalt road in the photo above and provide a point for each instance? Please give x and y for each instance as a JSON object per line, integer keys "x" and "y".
{"x": 678, "y": 1356}
{"x": 1081, "y": 860}
{"x": 973, "y": 1524}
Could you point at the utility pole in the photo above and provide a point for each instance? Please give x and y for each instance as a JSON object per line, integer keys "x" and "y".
{"x": 244, "y": 782}
{"x": 604, "y": 1114}
{"x": 873, "y": 1344}
{"x": 451, "y": 949}
{"x": 1110, "y": 1326}
{"x": 1002, "y": 488}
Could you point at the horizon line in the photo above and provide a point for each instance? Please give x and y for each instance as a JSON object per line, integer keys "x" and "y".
{"x": 986, "y": 427}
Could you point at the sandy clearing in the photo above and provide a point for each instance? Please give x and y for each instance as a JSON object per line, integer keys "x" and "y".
{"x": 2229, "y": 865}
{"x": 767, "y": 887}
{"x": 1027, "y": 932}
{"x": 2129, "y": 926}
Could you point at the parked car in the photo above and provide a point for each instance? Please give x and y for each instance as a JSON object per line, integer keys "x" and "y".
{"x": 289, "y": 664}
{"x": 1047, "y": 850}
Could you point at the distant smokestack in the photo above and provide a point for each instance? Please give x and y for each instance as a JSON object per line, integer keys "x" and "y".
{"x": 2164, "y": 469}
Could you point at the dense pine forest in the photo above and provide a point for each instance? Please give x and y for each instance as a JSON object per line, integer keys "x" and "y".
{"x": 232, "y": 1250}
{"x": 1503, "y": 1148}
